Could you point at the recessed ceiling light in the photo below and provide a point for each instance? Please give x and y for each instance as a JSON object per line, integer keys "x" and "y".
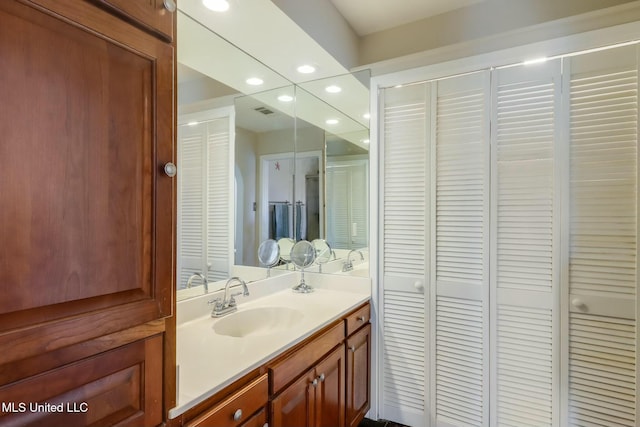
{"x": 216, "y": 5}
{"x": 306, "y": 69}
{"x": 366, "y": 116}
{"x": 332, "y": 121}
{"x": 192, "y": 123}
{"x": 333, "y": 89}
{"x": 254, "y": 81}
{"x": 285, "y": 98}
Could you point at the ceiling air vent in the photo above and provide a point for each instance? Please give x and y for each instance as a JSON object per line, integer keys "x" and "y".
{"x": 263, "y": 110}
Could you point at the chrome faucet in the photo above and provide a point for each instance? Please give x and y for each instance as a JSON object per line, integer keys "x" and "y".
{"x": 205, "y": 283}
{"x": 228, "y": 303}
{"x": 348, "y": 265}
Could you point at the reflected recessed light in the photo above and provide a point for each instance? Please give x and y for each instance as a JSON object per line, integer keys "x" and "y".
{"x": 366, "y": 116}
{"x": 285, "y": 98}
{"x": 254, "y": 81}
{"x": 535, "y": 61}
{"x": 306, "y": 69}
{"x": 332, "y": 121}
{"x": 333, "y": 89}
{"x": 364, "y": 141}
{"x": 192, "y": 123}
{"x": 216, "y": 5}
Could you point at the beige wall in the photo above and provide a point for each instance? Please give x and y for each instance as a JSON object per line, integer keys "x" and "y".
{"x": 482, "y": 20}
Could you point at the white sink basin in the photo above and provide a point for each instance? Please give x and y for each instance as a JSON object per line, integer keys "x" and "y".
{"x": 258, "y": 321}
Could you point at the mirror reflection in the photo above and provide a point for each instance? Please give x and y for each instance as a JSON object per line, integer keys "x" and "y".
{"x": 289, "y": 162}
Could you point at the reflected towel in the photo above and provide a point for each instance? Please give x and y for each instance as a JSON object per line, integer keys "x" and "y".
{"x": 280, "y": 221}
{"x": 301, "y": 223}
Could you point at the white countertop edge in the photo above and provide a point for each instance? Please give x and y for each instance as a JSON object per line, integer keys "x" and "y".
{"x": 183, "y": 407}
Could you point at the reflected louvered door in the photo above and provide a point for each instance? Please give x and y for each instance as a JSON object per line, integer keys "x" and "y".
{"x": 191, "y": 186}
{"x": 602, "y": 249}
{"x": 459, "y": 266}
{"x": 338, "y": 207}
{"x": 359, "y": 205}
{"x": 525, "y": 245}
{"x": 219, "y": 196}
{"x": 404, "y": 217}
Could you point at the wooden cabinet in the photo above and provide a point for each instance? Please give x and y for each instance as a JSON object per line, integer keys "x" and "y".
{"x": 86, "y": 270}
{"x": 358, "y": 370}
{"x": 316, "y": 399}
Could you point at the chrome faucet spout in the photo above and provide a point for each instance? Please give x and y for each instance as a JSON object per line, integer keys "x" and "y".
{"x": 228, "y": 303}
{"x": 245, "y": 290}
{"x": 357, "y": 251}
{"x": 205, "y": 282}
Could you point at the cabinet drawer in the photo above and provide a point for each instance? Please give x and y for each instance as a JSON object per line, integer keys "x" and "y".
{"x": 358, "y": 318}
{"x": 286, "y": 370}
{"x": 237, "y": 408}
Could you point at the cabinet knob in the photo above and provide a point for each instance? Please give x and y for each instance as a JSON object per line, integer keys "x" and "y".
{"x": 352, "y": 348}
{"x": 314, "y": 382}
{"x": 361, "y": 319}
{"x": 418, "y": 285}
{"x": 237, "y": 415}
{"x": 170, "y": 169}
{"x": 578, "y": 303}
{"x": 321, "y": 377}
{"x": 170, "y": 5}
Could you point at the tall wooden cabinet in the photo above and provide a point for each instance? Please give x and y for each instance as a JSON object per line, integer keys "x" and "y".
{"x": 87, "y": 217}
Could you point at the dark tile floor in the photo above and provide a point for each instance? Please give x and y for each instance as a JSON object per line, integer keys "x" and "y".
{"x": 380, "y": 423}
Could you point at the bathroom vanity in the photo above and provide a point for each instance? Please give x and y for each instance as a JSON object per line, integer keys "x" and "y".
{"x": 282, "y": 359}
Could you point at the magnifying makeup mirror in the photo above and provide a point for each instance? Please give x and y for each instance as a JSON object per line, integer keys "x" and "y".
{"x": 285, "y": 245}
{"x": 323, "y": 252}
{"x": 269, "y": 254}
{"x": 303, "y": 254}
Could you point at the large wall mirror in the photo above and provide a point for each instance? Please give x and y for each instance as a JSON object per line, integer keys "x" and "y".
{"x": 288, "y": 160}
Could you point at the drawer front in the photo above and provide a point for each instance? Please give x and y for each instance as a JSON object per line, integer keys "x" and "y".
{"x": 237, "y": 409}
{"x": 358, "y": 319}
{"x": 286, "y": 370}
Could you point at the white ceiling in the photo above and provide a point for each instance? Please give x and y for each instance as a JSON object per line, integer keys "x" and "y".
{"x": 370, "y": 16}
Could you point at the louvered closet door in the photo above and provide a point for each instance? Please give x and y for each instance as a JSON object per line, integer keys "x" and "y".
{"x": 602, "y": 269}
{"x": 459, "y": 266}
{"x": 405, "y": 242}
{"x": 525, "y": 245}
{"x": 219, "y": 193}
{"x": 191, "y": 184}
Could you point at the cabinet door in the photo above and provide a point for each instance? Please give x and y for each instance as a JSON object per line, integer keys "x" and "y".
{"x": 294, "y": 407}
{"x": 120, "y": 387}
{"x": 358, "y": 375}
{"x": 87, "y": 218}
{"x": 153, "y": 15}
{"x": 330, "y": 392}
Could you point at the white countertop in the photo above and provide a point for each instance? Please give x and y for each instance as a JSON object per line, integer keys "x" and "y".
{"x": 208, "y": 361}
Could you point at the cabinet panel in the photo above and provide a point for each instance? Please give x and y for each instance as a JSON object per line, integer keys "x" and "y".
{"x": 89, "y": 221}
{"x": 120, "y": 387}
{"x": 358, "y": 374}
{"x": 294, "y": 407}
{"x": 330, "y": 392}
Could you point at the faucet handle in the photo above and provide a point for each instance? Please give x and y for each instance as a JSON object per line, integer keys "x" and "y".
{"x": 216, "y": 302}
